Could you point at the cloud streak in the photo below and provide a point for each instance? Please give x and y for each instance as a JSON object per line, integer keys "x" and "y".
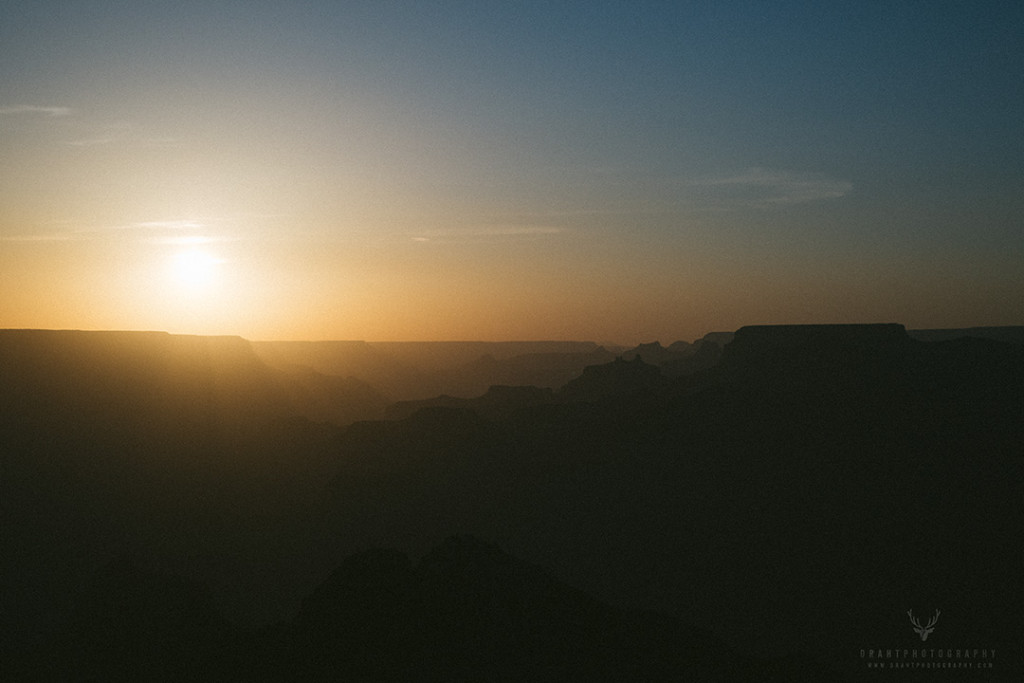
{"x": 487, "y": 232}
{"x": 187, "y": 224}
{"x": 48, "y": 237}
{"x": 766, "y": 187}
{"x": 630, "y": 192}
{"x": 181, "y": 232}
{"x": 34, "y": 110}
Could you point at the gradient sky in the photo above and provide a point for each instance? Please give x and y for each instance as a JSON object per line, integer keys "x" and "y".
{"x": 608, "y": 171}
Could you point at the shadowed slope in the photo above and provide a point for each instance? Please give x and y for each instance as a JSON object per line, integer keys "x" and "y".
{"x": 846, "y": 466}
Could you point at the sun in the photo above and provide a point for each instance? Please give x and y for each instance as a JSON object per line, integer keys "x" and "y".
{"x": 194, "y": 271}
{"x": 192, "y": 289}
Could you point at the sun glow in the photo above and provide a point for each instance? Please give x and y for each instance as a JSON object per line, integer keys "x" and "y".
{"x": 194, "y": 272}
{"x": 211, "y": 289}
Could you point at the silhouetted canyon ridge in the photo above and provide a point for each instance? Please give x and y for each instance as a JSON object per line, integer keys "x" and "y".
{"x": 759, "y": 504}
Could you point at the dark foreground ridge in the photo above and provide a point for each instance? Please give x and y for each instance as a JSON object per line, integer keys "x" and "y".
{"x": 465, "y": 611}
{"x": 763, "y": 338}
{"x": 173, "y": 504}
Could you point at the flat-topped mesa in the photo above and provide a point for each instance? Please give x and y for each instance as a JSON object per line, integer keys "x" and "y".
{"x": 152, "y": 380}
{"x": 760, "y": 340}
{"x": 122, "y": 353}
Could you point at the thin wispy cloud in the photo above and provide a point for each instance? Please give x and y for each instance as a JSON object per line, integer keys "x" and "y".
{"x": 90, "y": 142}
{"x": 161, "y": 143}
{"x": 179, "y": 232}
{"x": 173, "y": 232}
{"x": 631, "y": 192}
{"x": 186, "y": 224}
{"x": 193, "y": 240}
{"x": 46, "y": 237}
{"x": 760, "y": 186}
{"x": 87, "y": 134}
{"x": 108, "y": 134}
{"x": 487, "y": 232}
{"x": 34, "y": 110}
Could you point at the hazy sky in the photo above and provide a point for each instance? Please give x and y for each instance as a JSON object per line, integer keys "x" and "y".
{"x": 620, "y": 171}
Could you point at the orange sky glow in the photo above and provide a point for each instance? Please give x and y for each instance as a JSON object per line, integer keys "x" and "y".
{"x": 452, "y": 174}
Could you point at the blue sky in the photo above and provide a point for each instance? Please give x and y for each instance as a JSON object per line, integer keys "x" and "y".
{"x": 588, "y": 170}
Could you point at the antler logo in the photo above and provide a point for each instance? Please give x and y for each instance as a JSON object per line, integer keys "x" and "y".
{"x": 923, "y": 631}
